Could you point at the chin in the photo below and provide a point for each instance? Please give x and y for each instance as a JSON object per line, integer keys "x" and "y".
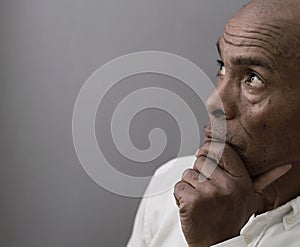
{"x": 255, "y": 170}
{"x": 258, "y": 164}
{"x": 255, "y": 163}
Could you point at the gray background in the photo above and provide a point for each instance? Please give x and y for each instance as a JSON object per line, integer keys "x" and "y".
{"x": 48, "y": 49}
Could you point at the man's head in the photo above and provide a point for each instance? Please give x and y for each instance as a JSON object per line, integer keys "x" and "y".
{"x": 259, "y": 83}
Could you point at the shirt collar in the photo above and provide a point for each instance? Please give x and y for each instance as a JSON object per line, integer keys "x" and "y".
{"x": 293, "y": 217}
{"x": 288, "y": 214}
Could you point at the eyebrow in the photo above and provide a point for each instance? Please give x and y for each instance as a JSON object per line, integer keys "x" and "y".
{"x": 218, "y": 47}
{"x": 247, "y": 61}
{"x": 251, "y": 61}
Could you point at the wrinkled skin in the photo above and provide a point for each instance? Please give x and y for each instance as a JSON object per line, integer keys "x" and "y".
{"x": 259, "y": 86}
{"x": 263, "y": 118}
{"x": 208, "y": 207}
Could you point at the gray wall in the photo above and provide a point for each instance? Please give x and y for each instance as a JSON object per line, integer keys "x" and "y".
{"x": 48, "y": 49}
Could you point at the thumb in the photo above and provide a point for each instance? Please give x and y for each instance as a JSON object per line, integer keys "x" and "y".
{"x": 264, "y": 180}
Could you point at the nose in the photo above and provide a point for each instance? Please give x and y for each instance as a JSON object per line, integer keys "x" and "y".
{"x": 221, "y": 103}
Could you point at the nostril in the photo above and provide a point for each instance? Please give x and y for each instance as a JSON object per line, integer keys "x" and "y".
{"x": 218, "y": 113}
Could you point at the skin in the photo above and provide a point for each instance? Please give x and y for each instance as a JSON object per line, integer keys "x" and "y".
{"x": 259, "y": 86}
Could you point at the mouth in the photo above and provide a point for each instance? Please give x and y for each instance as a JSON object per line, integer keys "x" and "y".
{"x": 213, "y": 138}
{"x": 209, "y": 138}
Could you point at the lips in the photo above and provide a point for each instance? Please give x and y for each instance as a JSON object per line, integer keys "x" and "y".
{"x": 215, "y": 138}
{"x": 210, "y": 138}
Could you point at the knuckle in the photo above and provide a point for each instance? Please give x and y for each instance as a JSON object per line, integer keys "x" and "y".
{"x": 227, "y": 190}
{"x": 185, "y": 209}
{"x": 191, "y": 205}
{"x": 199, "y": 163}
{"x": 190, "y": 174}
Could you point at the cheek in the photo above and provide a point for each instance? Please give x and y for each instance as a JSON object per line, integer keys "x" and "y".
{"x": 266, "y": 120}
{"x": 274, "y": 126}
{"x": 257, "y": 117}
{"x": 272, "y": 114}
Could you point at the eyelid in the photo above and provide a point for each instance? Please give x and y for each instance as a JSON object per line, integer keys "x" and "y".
{"x": 253, "y": 73}
{"x": 251, "y": 88}
{"x": 220, "y": 62}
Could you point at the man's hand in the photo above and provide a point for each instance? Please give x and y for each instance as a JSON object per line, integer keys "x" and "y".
{"x": 216, "y": 199}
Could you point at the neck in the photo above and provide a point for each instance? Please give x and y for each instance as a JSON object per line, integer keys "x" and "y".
{"x": 282, "y": 190}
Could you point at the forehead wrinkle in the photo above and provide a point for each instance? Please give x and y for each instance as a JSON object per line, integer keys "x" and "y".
{"x": 282, "y": 45}
{"x": 276, "y": 48}
{"x": 273, "y": 63}
{"x": 281, "y": 18}
{"x": 277, "y": 28}
{"x": 259, "y": 26}
{"x": 242, "y": 37}
{"x": 283, "y": 26}
{"x": 292, "y": 49}
{"x": 290, "y": 44}
{"x": 262, "y": 31}
{"x": 285, "y": 33}
{"x": 293, "y": 41}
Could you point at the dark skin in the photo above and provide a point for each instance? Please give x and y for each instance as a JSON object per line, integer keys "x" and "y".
{"x": 259, "y": 86}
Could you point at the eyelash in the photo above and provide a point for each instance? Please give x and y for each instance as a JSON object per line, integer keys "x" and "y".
{"x": 220, "y": 64}
{"x": 253, "y": 74}
{"x": 250, "y": 75}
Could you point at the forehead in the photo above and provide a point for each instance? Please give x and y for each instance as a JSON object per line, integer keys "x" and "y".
{"x": 274, "y": 41}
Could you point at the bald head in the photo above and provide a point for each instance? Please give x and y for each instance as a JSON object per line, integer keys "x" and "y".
{"x": 259, "y": 83}
{"x": 287, "y": 10}
{"x": 278, "y": 19}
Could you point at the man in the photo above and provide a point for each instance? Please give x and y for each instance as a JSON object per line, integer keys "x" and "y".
{"x": 251, "y": 198}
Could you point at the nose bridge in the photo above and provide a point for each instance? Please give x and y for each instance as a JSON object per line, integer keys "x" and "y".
{"x": 222, "y": 101}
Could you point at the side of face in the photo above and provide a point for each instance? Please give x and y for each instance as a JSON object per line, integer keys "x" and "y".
{"x": 259, "y": 85}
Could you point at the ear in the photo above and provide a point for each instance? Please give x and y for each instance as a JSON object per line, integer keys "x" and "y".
{"x": 268, "y": 177}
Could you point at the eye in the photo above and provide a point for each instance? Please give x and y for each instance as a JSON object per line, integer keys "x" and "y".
{"x": 222, "y": 69}
{"x": 255, "y": 81}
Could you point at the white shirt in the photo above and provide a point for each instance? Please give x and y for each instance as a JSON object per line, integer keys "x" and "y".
{"x": 157, "y": 222}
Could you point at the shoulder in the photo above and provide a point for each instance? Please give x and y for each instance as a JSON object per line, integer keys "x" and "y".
{"x": 167, "y": 175}
{"x": 161, "y": 212}
{"x": 179, "y": 163}
{"x": 157, "y": 222}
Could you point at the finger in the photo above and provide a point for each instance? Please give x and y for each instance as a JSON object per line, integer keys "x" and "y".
{"x": 212, "y": 149}
{"x": 216, "y": 175}
{"x": 194, "y": 178}
{"x": 233, "y": 164}
{"x": 183, "y": 192}
{"x": 226, "y": 157}
{"x": 205, "y": 166}
{"x": 264, "y": 180}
